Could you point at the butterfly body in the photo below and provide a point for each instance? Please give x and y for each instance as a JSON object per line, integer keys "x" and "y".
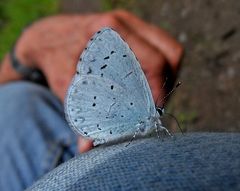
{"x": 109, "y": 97}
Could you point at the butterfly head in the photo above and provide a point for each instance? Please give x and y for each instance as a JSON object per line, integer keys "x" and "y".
{"x": 160, "y": 110}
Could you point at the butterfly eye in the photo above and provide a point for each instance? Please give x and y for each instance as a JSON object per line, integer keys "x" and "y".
{"x": 160, "y": 110}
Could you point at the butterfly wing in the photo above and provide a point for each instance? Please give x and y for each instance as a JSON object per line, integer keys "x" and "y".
{"x": 109, "y": 95}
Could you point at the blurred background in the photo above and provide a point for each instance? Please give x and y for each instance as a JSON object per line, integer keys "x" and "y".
{"x": 208, "y": 99}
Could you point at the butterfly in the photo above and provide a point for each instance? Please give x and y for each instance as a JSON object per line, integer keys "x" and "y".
{"x": 109, "y": 98}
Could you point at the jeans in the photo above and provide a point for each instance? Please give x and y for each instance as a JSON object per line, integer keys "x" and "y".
{"x": 34, "y": 136}
{"x": 35, "y": 140}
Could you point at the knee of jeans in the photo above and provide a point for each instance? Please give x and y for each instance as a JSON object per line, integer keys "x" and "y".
{"x": 19, "y": 92}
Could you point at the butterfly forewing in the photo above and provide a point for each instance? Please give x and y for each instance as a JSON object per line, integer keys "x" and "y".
{"x": 109, "y": 95}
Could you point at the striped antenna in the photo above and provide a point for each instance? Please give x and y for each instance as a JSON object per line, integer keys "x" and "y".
{"x": 169, "y": 93}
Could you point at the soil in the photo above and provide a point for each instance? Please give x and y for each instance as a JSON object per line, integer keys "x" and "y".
{"x": 209, "y": 30}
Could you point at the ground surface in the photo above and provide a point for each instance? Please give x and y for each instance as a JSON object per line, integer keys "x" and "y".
{"x": 209, "y": 30}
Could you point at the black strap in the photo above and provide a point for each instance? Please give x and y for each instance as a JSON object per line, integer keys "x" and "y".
{"x": 29, "y": 73}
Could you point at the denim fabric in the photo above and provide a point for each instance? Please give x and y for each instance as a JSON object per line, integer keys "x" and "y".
{"x": 198, "y": 161}
{"x": 34, "y": 136}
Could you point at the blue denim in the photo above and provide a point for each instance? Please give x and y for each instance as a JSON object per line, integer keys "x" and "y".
{"x": 35, "y": 138}
{"x": 197, "y": 161}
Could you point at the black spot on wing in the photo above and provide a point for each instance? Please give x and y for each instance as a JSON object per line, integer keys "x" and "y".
{"x": 112, "y": 52}
{"x": 124, "y": 55}
{"x": 104, "y": 66}
{"x": 94, "y": 97}
{"x": 84, "y": 82}
{"x": 110, "y": 132}
{"x": 89, "y": 71}
{"x": 106, "y": 58}
{"x": 94, "y": 104}
{"x": 112, "y": 87}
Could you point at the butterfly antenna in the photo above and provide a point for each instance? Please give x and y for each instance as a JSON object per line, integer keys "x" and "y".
{"x": 165, "y": 82}
{"x": 177, "y": 85}
{"x": 163, "y": 86}
{"x": 170, "y": 115}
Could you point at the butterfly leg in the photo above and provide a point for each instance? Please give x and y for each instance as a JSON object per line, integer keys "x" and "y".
{"x": 140, "y": 126}
{"x": 162, "y": 128}
{"x": 157, "y": 130}
{"x": 133, "y": 137}
{"x": 166, "y": 130}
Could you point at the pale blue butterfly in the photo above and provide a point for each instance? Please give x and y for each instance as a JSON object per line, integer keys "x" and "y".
{"x": 109, "y": 98}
